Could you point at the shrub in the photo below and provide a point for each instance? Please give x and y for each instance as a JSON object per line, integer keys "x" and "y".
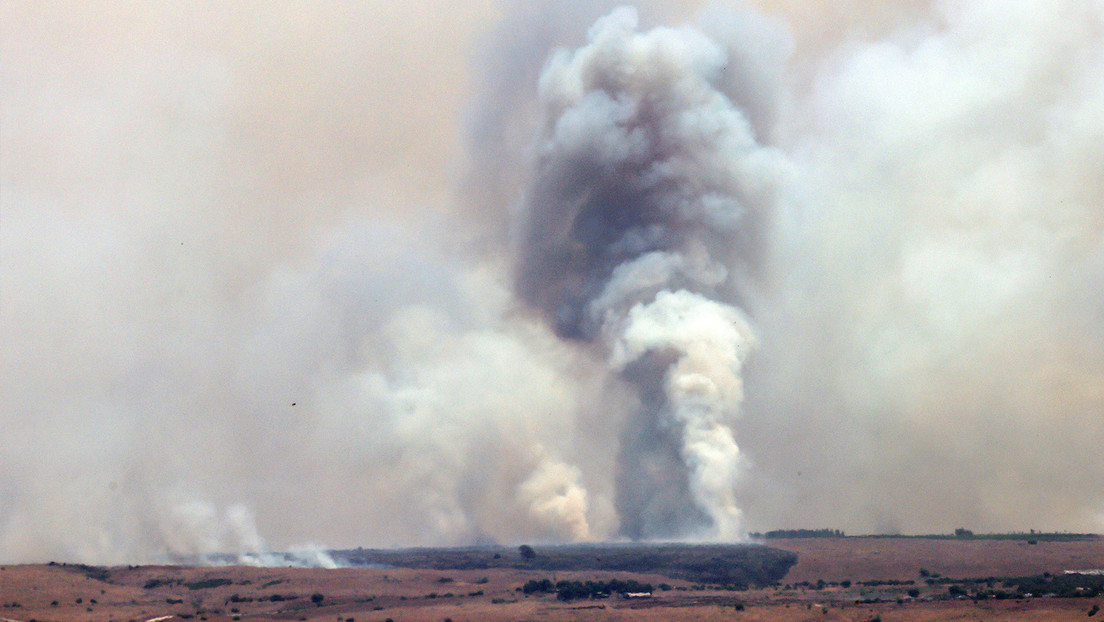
{"x": 207, "y": 583}
{"x": 533, "y": 586}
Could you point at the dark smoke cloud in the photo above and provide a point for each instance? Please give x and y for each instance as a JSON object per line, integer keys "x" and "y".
{"x": 649, "y": 181}
{"x": 837, "y": 266}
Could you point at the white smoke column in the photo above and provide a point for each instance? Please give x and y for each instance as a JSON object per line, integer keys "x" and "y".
{"x": 557, "y": 499}
{"x": 637, "y": 234}
{"x": 703, "y": 387}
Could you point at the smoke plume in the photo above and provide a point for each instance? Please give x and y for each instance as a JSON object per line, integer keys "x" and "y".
{"x": 648, "y": 181}
{"x": 379, "y": 273}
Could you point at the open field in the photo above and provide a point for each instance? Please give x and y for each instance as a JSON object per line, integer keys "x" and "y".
{"x": 834, "y": 579}
{"x": 837, "y": 559}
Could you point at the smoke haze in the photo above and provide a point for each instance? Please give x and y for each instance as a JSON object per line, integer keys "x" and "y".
{"x": 277, "y": 277}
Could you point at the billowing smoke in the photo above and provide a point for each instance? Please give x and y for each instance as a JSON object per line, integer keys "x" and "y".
{"x": 197, "y": 532}
{"x": 369, "y": 274}
{"x": 933, "y": 337}
{"x": 649, "y": 181}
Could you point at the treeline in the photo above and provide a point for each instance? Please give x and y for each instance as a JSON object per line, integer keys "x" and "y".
{"x": 1031, "y": 537}
{"x": 1044, "y": 585}
{"x": 960, "y": 533}
{"x": 800, "y": 533}
{"x": 578, "y": 590}
{"x": 719, "y": 564}
{"x": 1062, "y": 586}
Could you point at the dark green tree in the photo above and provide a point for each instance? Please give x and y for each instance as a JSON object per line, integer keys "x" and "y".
{"x": 527, "y": 552}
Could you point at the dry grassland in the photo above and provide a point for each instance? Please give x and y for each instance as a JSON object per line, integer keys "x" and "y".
{"x": 68, "y": 592}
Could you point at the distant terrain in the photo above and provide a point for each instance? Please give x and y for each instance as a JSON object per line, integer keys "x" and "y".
{"x": 793, "y": 579}
{"x": 958, "y": 534}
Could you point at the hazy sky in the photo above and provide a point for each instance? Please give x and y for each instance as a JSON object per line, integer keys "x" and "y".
{"x": 284, "y": 274}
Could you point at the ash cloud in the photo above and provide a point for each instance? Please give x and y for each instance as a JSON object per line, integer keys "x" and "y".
{"x": 790, "y": 266}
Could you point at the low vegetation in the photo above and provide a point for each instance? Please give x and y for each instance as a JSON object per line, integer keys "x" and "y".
{"x": 1032, "y": 537}
{"x": 205, "y": 584}
{"x": 799, "y": 533}
{"x": 960, "y": 533}
{"x": 856, "y": 579}
{"x": 735, "y": 564}
{"x": 1045, "y": 585}
{"x": 576, "y": 590}
{"x": 99, "y": 573}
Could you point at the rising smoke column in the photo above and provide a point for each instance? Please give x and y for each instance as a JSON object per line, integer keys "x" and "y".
{"x": 639, "y": 226}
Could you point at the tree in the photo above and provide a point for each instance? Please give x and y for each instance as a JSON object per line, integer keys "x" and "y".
{"x": 527, "y": 552}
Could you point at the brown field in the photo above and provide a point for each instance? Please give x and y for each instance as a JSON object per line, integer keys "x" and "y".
{"x": 144, "y": 593}
{"x": 835, "y": 559}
